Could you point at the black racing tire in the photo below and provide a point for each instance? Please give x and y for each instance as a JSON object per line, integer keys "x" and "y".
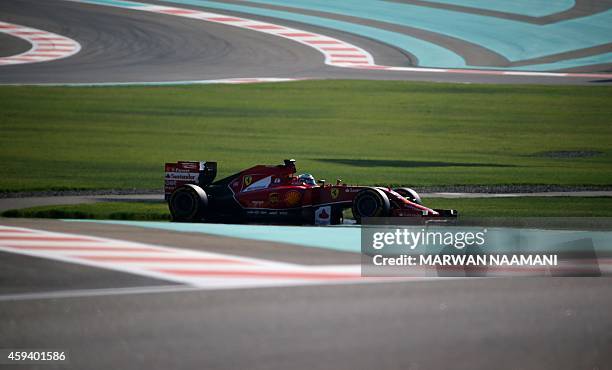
{"x": 370, "y": 202}
{"x": 188, "y": 203}
{"x": 409, "y": 194}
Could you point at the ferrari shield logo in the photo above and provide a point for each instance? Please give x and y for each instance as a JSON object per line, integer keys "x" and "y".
{"x": 247, "y": 180}
{"x": 334, "y": 193}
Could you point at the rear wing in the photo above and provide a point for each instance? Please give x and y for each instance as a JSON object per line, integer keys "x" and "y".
{"x": 188, "y": 172}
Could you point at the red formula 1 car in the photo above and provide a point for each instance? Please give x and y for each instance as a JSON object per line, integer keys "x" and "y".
{"x": 275, "y": 194}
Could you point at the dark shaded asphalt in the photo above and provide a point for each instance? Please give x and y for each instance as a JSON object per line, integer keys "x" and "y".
{"x": 133, "y": 46}
{"x": 520, "y": 323}
{"x": 24, "y": 274}
{"x": 10, "y": 45}
{"x": 500, "y": 324}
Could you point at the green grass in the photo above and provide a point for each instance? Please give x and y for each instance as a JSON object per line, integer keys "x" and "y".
{"x": 368, "y": 132}
{"x": 102, "y": 211}
{"x": 527, "y": 206}
{"x": 475, "y": 207}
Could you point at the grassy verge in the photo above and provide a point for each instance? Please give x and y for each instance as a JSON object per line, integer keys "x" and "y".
{"x": 527, "y": 206}
{"x": 367, "y": 132}
{"x": 476, "y": 207}
{"x": 101, "y": 211}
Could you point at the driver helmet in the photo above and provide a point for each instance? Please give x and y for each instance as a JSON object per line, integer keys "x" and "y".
{"x": 307, "y": 179}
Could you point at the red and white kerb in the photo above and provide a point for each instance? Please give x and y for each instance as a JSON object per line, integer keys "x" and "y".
{"x": 195, "y": 268}
{"x": 46, "y": 46}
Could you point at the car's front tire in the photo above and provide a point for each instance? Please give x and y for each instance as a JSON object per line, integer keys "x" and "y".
{"x": 370, "y": 202}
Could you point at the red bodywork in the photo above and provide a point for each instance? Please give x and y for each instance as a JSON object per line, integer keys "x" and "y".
{"x": 279, "y": 189}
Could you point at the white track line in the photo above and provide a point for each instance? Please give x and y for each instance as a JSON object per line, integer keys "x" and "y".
{"x": 46, "y": 46}
{"x": 78, "y": 293}
{"x": 337, "y": 53}
{"x": 225, "y": 81}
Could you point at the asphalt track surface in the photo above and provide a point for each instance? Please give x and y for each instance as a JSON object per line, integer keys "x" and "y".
{"x": 134, "y": 46}
{"x": 526, "y": 323}
{"x": 109, "y": 319}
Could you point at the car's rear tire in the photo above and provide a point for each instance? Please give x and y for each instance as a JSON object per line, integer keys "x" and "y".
{"x": 188, "y": 203}
{"x": 409, "y": 194}
{"x": 370, "y": 202}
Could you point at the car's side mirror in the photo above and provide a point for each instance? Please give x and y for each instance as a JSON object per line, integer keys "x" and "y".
{"x": 321, "y": 182}
{"x": 338, "y": 181}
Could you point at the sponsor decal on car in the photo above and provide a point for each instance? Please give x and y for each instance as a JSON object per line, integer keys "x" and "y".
{"x": 185, "y": 176}
{"x": 190, "y": 165}
{"x": 266, "y": 212}
{"x": 274, "y": 198}
{"x": 247, "y": 180}
{"x": 323, "y": 215}
{"x": 334, "y": 192}
{"x": 257, "y": 185}
{"x": 178, "y": 174}
{"x": 293, "y": 197}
